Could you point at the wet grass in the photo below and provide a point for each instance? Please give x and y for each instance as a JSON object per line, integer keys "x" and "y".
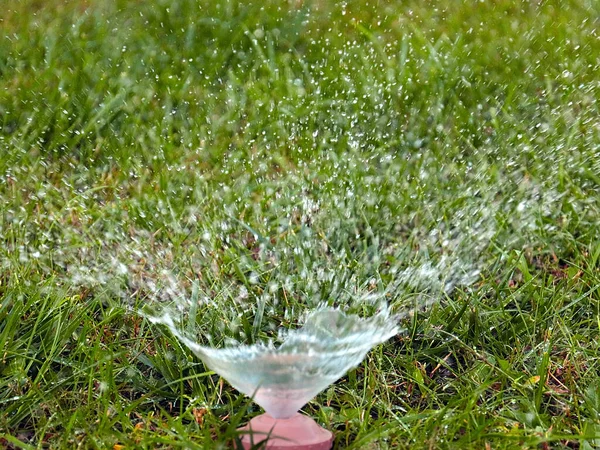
{"x": 253, "y": 149}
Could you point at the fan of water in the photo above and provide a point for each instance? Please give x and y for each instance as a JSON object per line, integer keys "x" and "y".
{"x": 282, "y": 379}
{"x": 233, "y": 290}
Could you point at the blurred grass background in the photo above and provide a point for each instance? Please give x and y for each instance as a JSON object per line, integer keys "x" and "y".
{"x": 268, "y": 142}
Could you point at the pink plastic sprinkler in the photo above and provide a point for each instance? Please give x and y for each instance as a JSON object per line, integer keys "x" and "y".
{"x": 299, "y": 432}
{"x": 283, "y": 379}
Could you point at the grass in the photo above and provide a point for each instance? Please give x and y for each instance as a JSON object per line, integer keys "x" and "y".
{"x": 268, "y": 156}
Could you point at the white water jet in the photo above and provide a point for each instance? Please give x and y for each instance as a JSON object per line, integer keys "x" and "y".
{"x": 283, "y": 379}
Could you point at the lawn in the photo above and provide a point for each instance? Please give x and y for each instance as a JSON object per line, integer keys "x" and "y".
{"x": 257, "y": 159}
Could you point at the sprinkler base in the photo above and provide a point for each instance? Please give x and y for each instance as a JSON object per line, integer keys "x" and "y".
{"x": 296, "y": 433}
